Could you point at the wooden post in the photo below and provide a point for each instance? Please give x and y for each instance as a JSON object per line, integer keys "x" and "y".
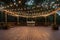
{"x": 55, "y": 26}
{"x": 45, "y": 21}
{"x": 17, "y": 19}
{"x": 55, "y": 19}
{"x": 6, "y": 18}
{"x": 1, "y": 17}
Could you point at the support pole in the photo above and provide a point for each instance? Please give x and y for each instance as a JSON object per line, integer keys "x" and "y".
{"x": 18, "y": 20}
{"x": 55, "y": 19}
{"x": 5, "y": 18}
{"x": 55, "y": 26}
{"x": 45, "y": 21}
{"x": 1, "y": 23}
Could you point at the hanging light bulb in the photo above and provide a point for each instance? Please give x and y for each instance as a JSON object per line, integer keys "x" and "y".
{"x": 11, "y": 5}
{"x": 19, "y": 2}
{"x": 14, "y": 3}
{"x": 7, "y": 5}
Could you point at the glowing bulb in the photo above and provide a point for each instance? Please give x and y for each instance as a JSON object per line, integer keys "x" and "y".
{"x": 19, "y": 1}
{"x": 11, "y": 5}
{"x": 7, "y": 6}
{"x": 14, "y": 3}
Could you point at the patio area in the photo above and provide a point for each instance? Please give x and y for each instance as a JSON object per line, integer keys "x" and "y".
{"x": 30, "y": 33}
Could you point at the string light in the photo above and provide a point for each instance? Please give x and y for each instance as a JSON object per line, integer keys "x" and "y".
{"x": 42, "y": 8}
{"x": 14, "y": 3}
{"x": 7, "y": 5}
{"x": 11, "y": 5}
{"x": 19, "y": 2}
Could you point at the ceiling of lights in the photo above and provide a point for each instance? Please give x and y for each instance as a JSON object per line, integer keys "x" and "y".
{"x": 30, "y": 6}
{"x": 26, "y": 5}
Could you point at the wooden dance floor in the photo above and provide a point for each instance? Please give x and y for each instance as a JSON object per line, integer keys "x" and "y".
{"x": 30, "y": 33}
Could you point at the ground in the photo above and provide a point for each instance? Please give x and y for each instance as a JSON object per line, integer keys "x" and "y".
{"x": 30, "y": 33}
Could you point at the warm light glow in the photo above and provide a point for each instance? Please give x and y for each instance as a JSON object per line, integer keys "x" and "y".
{"x": 44, "y": 15}
{"x": 11, "y": 5}
{"x": 14, "y": 3}
{"x": 19, "y": 2}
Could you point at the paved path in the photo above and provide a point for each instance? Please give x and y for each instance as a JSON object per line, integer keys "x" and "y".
{"x": 29, "y": 33}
